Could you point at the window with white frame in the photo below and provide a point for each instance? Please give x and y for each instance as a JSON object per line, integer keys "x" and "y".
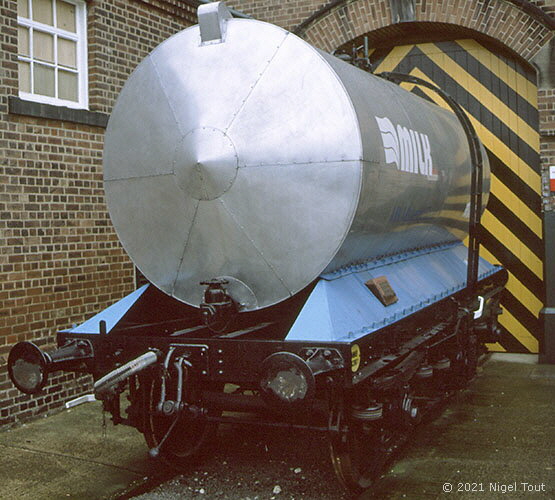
{"x": 52, "y": 52}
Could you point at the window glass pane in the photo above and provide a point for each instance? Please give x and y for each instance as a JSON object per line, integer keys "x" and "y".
{"x": 24, "y": 76}
{"x": 67, "y": 53}
{"x": 44, "y": 80}
{"x": 42, "y": 11}
{"x": 43, "y": 46}
{"x": 47, "y": 51}
{"x": 67, "y": 85}
{"x": 23, "y": 8}
{"x": 65, "y": 16}
{"x": 23, "y": 41}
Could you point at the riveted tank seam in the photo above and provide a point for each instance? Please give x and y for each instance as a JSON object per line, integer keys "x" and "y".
{"x": 354, "y": 117}
{"x": 175, "y": 154}
{"x": 237, "y": 166}
{"x": 258, "y": 251}
{"x": 173, "y": 173}
{"x": 346, "y": 93}
{"x": 185, "y": 248}
{"x": 244, "y": 102}
{"x": 163, "y": 87}
{"x": 300, "y": 164}
{"x": 149, "y": 59}
{"x": 138, "y": 177}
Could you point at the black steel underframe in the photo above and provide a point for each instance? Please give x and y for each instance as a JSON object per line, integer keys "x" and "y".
{"x": 237, "y": 360}
{"x": 263, "y": 423}
{"x": 389, "y": 356}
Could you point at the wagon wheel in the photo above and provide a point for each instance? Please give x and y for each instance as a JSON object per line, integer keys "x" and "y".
{"x": 359, "y": 451}
{"x": 180, "y": 438}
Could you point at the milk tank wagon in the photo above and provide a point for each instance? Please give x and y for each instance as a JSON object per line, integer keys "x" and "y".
{"x": 301, "y": 223}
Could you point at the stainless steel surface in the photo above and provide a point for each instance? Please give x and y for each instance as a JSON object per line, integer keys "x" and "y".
{"x": 262, "y": 160}
{"x": 403, "y": 209}
{"x": 212, "y": 20}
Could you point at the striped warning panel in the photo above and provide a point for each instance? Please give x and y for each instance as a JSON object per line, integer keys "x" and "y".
{"x": 500, "y": 97}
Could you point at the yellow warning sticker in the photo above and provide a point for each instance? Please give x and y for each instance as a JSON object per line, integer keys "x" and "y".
{"x": 355, "y": 357}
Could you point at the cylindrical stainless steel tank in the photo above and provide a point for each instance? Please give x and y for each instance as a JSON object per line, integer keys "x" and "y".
{"x": 264, "y": 160}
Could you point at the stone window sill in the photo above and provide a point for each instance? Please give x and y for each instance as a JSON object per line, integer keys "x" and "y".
{"x": 18, "y": 106}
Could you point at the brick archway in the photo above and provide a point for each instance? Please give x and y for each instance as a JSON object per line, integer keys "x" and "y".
{"x": 514, "y": 27}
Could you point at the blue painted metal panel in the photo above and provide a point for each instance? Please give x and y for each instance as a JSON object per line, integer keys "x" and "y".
{"x": 112, "y": 315}
{"x": 342, "y": 309}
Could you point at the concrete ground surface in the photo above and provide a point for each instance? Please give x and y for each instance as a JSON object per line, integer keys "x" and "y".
{"x": 494, "y": 440}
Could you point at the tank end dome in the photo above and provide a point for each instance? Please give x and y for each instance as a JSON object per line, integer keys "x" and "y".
{"x": 205, "y": 163}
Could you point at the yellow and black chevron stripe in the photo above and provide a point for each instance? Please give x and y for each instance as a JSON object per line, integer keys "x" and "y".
{"x": 500, "y": 96}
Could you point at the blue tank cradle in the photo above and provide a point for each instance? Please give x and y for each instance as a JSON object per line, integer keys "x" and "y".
{"x": 341, "y": 308}
{"x": 111, "y": 315}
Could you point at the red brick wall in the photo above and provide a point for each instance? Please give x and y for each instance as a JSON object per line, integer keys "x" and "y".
{"x": 498, "y": 19}
{"x": 285, "y": 14}
{"x": 546, "y": 104}
{"x": 60, "y": 259}
{"x": 548, "y": 6}
{"x": 292, "y": 13}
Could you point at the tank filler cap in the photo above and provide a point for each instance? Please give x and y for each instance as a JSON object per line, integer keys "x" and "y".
{"x": 212, "y": 18}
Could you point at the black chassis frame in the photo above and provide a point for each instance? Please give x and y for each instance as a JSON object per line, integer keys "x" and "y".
{"x": 238, "y": 360}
